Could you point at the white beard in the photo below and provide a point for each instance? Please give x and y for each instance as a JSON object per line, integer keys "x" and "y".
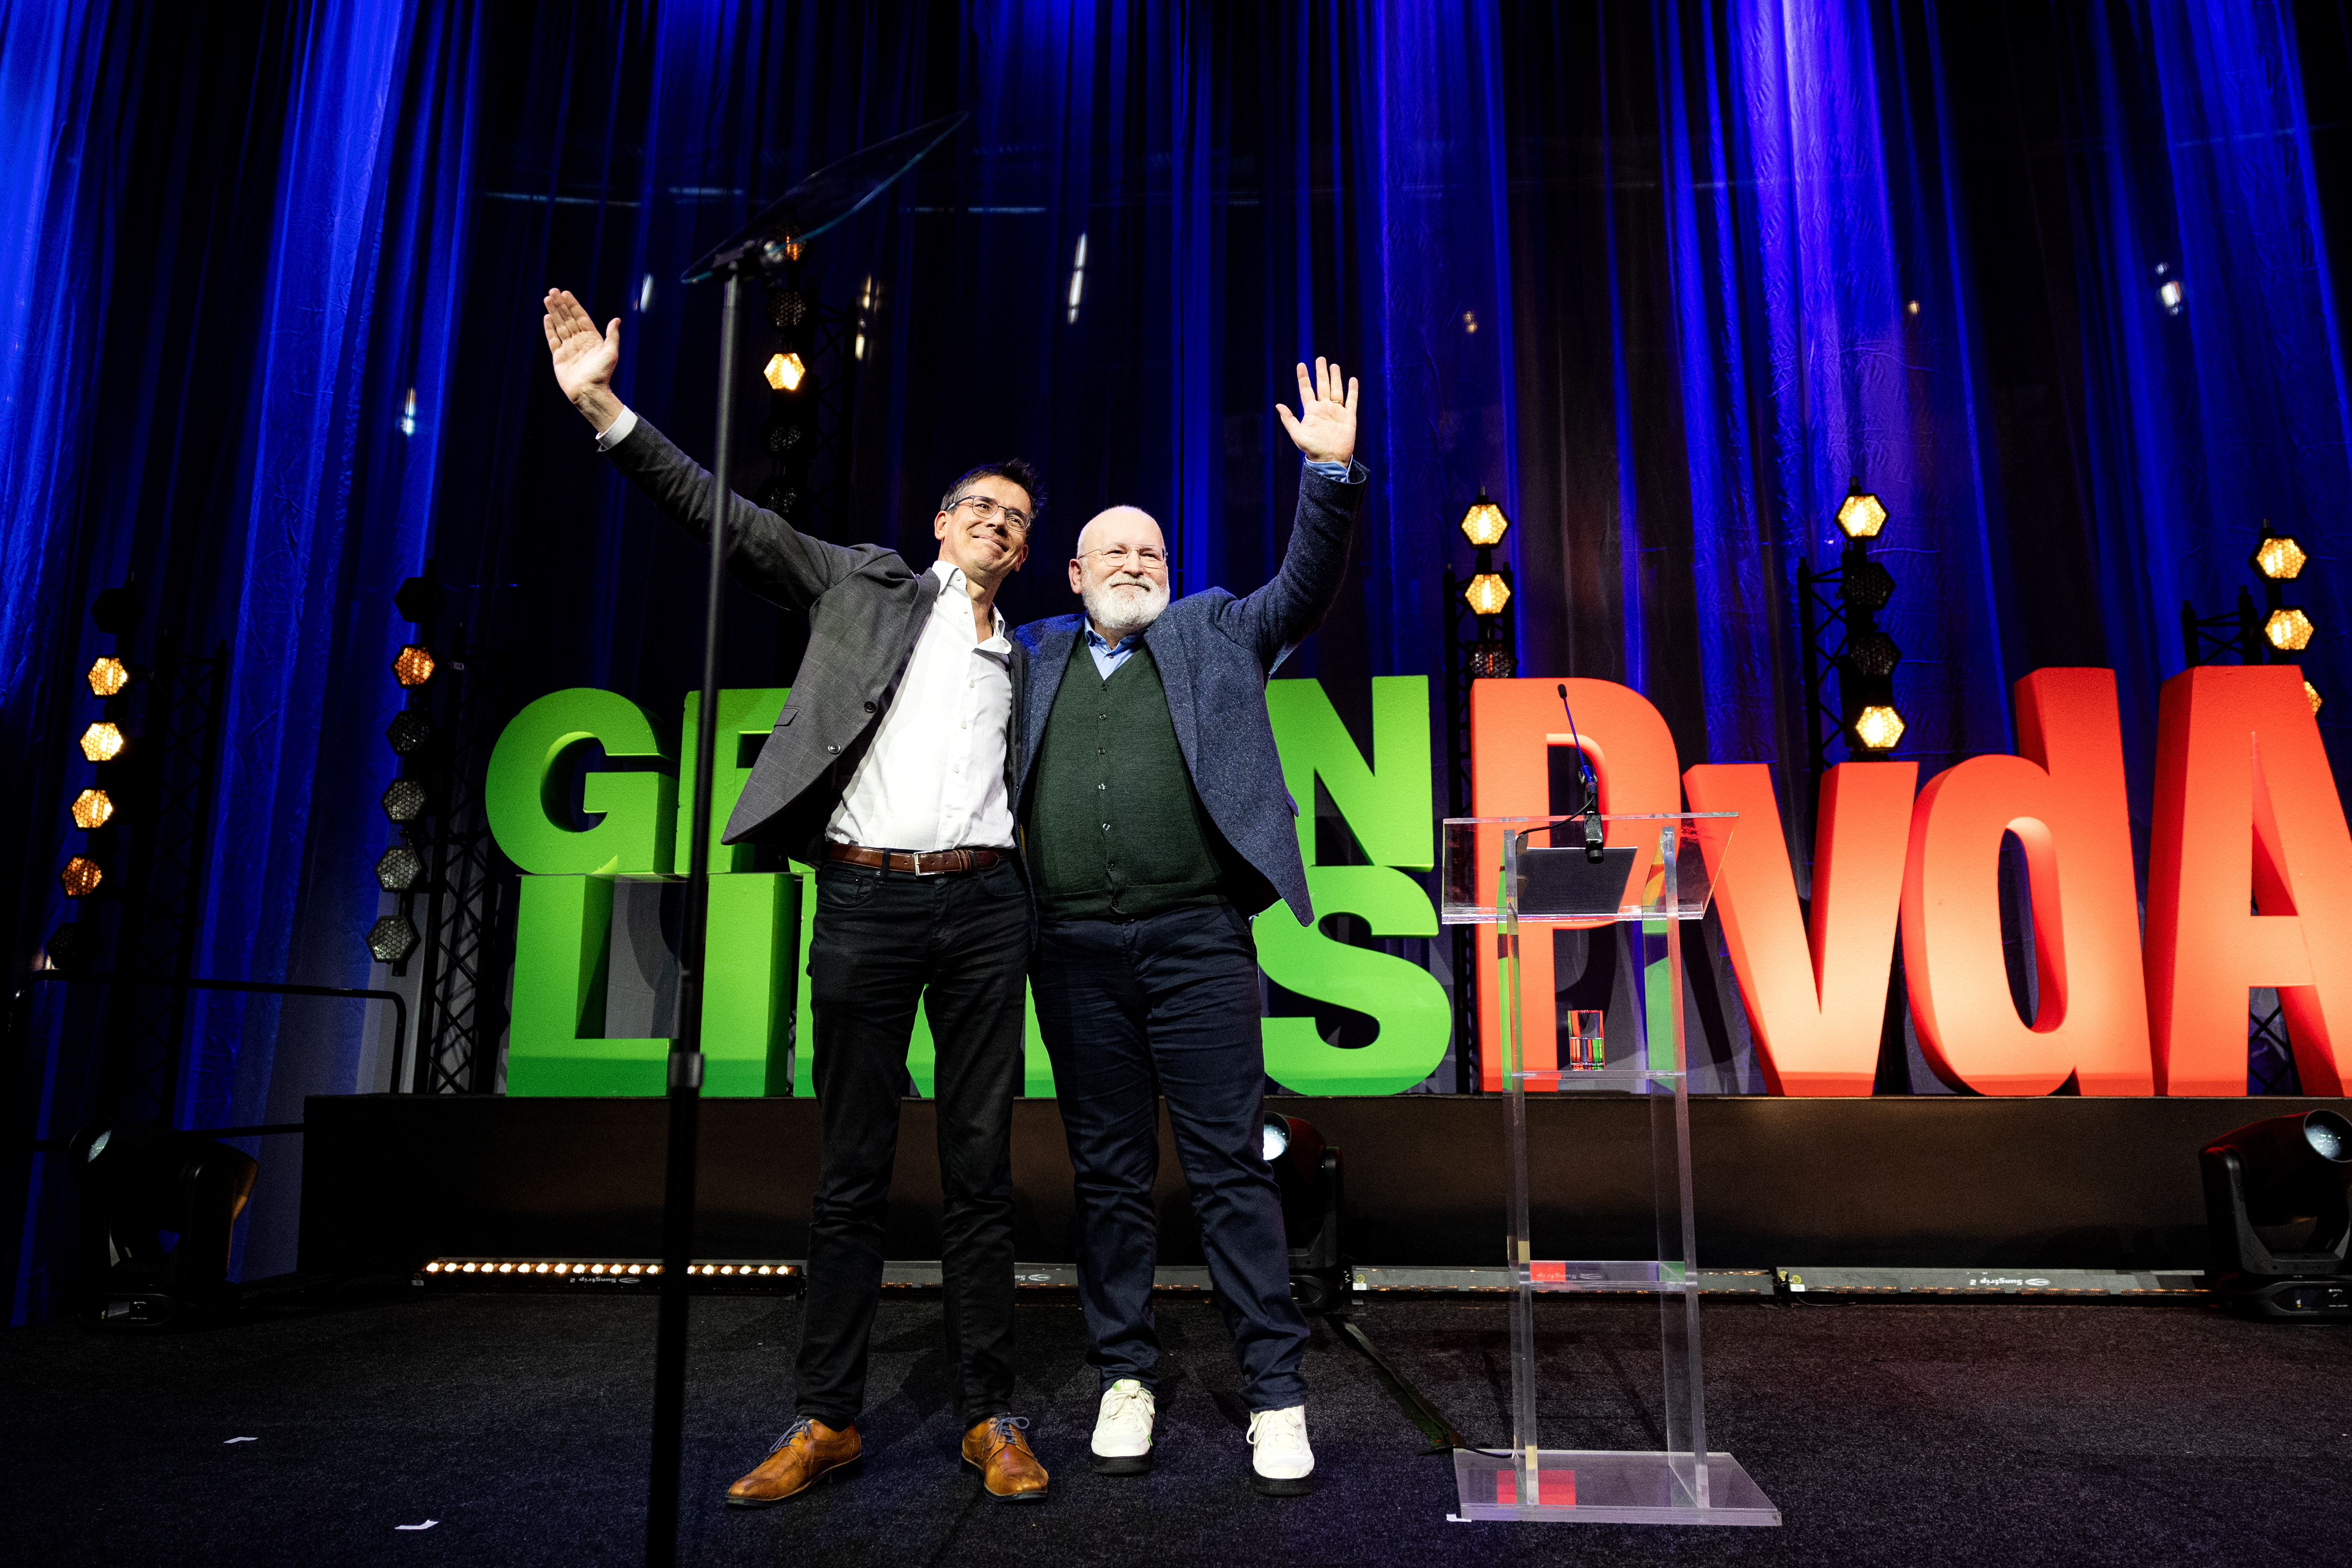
{"x": 1119, "y": 610}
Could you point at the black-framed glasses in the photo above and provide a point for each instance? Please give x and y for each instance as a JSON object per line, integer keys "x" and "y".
{"x": 984, "y": 508}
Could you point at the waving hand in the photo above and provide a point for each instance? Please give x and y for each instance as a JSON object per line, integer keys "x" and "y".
{"x": 1324, "y": 429}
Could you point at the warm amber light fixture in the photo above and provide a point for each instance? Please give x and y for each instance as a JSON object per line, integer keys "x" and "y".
{"x": 108, "y": 676}
{"x": 2289, "y": 630}
{"x": 81, "y": 877}
{"x": 2279, "y": 558}
{"x": 1861, "y": 515}
{"x": 784, "y": 372}
{"x": 1484, "y": 524}
{"x": 413, "y": 665}
{"x": 1878, "y": 727}
{"x": 2311, "y": 695}
{"x": 102, "y": 741}
{"x": 91, "y": 808}
{"x": 1487, "y": 593}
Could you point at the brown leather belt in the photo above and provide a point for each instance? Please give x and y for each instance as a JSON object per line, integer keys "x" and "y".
{"x": 930, "y": 863}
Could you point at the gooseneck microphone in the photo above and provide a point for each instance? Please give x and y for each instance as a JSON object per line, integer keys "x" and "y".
{"x": 1590, "y": 810}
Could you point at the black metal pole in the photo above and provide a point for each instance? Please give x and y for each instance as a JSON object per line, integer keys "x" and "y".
{"x": 685, "y": 1050}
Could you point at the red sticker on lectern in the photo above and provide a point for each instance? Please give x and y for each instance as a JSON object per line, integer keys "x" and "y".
{"x": 1547, "y": 1273}
{"x": 1554, "y": 1489}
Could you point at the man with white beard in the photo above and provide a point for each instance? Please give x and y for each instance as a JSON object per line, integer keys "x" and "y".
{"x": 1155, "y": 824}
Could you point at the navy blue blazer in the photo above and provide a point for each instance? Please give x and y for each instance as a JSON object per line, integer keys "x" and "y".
{"x": 1215, "y": 653}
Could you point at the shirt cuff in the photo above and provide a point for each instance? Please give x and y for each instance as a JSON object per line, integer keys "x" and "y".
{"x": 1347, "y": 473}
{"x": 612, "y": 435}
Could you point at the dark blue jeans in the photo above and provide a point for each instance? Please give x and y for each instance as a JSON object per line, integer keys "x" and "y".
{"x": 1168, "y": 1006}
{"x": 957, "y": 942}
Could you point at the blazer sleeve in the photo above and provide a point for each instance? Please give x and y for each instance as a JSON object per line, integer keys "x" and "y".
{"x": 765, "y": 553}
{"x": 1279, "y": 616}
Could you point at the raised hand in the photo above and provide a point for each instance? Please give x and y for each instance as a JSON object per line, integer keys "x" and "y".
{"x": 1324, "y": 430}
{"x": 584, "y": 359}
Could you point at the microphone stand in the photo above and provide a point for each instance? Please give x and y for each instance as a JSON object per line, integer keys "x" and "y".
{"x": 685, "y": 1050}
{"x": 1594, "y": 834}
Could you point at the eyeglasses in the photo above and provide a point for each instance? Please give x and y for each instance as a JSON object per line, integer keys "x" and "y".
{"x": 1117, "y": 555}
{"x": 984, "y": 509}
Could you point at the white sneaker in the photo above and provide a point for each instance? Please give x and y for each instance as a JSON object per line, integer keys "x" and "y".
{"x": 1123, "y": 1429}
{"x": 1283, "y": 1464}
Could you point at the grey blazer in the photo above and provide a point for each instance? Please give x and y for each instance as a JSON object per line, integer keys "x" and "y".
{"x": 1215, "y": 653}
{"x": 866, "y": 607}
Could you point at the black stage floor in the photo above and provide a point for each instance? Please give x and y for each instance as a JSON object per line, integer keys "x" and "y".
{"x": 2122, "y": 1433}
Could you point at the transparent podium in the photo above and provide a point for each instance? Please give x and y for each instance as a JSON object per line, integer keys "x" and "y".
{"x": 1527, "y": 877}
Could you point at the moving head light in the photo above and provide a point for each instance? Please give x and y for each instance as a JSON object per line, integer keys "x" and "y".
{"x": 2286, "y": 1176}
{"x": 139, "y": 1183}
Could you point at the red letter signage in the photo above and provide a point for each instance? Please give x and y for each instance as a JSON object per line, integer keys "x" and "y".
{"x": 1513, "y": 726}
{"x": 2246, "y": 816}
{"x": 2064, "y": 801}
{"x": 1816, "y": 1008}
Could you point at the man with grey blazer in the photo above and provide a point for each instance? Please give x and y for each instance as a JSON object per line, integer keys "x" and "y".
{"x": 1155, "y": 823}
{"x": 891, "y": 771}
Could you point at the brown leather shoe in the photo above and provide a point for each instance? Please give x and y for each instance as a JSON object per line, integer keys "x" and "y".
{"x": 1009, "y": 1471}
{"x": 802, "y": 1457}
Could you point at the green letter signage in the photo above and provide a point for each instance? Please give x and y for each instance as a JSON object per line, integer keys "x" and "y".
{"x": 1386, "y": 803}
{"x": 524, "y": 795}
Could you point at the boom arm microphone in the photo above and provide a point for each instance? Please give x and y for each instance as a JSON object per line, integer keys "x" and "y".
{"x": 1590, "y": 812}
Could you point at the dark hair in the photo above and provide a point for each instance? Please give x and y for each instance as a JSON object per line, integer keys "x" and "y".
{"x": 1019, "y": 470}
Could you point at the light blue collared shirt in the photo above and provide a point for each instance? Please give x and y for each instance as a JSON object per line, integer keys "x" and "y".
{"x": 1108, "y": 659}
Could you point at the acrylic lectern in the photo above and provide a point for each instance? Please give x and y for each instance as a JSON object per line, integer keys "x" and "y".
{"x": 1641, "y": 883}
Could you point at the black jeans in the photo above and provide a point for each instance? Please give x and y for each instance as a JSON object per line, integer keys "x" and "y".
{"x": 1168, "y": 1006}
{"x": 960, "y": 942}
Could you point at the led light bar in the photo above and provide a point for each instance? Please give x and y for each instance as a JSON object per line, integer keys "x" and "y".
{"x": 556, "y": 1273}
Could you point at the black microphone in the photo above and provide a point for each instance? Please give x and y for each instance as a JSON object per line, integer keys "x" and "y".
{"x": 1593, "y": 832}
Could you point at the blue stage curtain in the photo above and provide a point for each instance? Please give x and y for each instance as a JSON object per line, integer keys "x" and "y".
{"x": 1823, "y": 333}
{"x": 2195, "y": 168}
{"x": 241, "y": 249}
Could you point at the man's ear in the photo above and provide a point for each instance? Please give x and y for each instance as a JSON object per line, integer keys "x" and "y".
{"x": 940, "y": 526}
{"x": 1077, "y": 583}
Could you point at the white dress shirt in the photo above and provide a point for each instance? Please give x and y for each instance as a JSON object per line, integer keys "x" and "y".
{"x": 612, "y": 435}
{"x": 934, "y": 777}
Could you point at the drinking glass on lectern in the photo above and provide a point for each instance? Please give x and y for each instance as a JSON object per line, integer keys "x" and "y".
{"x": 1582, "y": 1048}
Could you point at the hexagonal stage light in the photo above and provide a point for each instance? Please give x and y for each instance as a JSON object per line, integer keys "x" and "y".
{"x": 408, "y": 731}
{"x": 2280, "y": 557}
{"x": 81, "y": 877}
{"x": 102, "y": 741}
{"x": 108, "y": 676}
{"x": 72, "y": 946}
{"x": 1866, "y": 586}
{"x": 116, "y": 612}
{"x": 1487, "y": 593}
{"x": 400, "y": 869}
{"x": 1484, "y": 524}
{"x": 404, "y": 800}
{"x": 412, "y": 665}
{"x": 1874, "y": 655}
{"x": 421, "y": 598}
{"x": 783, "y": 372}
{"x": 92, "y": 809}
{"x": 392, "y": 938}
{"x": 1861, "y": 515}
{"x": 2289, "y": 630}
{"x": 1878, "y": 727}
